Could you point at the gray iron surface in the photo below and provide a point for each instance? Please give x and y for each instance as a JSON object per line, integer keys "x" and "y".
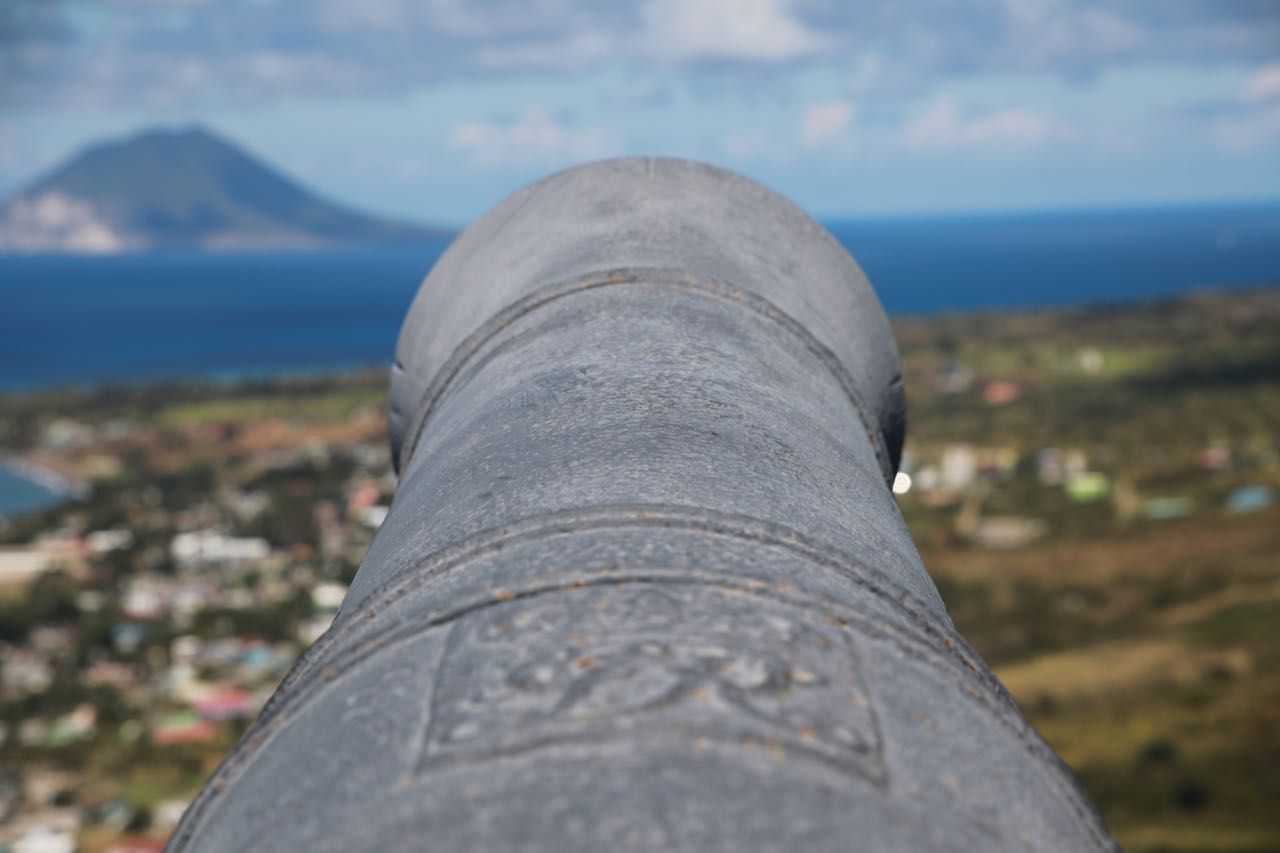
{"x": 643, "y": 585}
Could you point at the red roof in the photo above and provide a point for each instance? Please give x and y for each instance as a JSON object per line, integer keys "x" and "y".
{"x": 201, "y": 731}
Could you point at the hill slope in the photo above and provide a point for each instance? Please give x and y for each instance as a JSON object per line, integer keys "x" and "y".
{"x": 179, "y": 189}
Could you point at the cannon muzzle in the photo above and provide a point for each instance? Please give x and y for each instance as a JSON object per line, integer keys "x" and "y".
{"x": 644, "y": 585}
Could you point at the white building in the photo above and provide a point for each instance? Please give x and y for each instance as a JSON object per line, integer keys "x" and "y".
{"x": 200, "y": 548}
{"x": 959, "y": 465}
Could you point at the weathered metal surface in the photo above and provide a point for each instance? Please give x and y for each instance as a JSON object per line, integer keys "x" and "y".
{"x": 643, "y": 585}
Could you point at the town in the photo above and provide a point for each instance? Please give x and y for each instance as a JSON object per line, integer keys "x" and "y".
{"x": 1095, "y": 492}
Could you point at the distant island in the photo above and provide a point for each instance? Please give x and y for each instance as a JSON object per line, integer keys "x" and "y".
{"x": 181, "y": 189}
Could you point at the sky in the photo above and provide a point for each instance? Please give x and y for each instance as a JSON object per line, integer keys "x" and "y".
{"x": 433, "y": 110}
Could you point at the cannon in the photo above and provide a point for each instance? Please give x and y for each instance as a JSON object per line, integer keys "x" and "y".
{"x": 644, "y": 585}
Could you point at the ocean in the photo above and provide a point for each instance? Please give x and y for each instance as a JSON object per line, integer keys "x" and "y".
{"x": 86, "y": 320}
{"x": 68, "y": 320}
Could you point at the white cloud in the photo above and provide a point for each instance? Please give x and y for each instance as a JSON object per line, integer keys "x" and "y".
{"x": 941, "y": 126}
{"x": 1036, "y": 31}
{"x": 1257, "y": 124}
{"x": 535, "y": 136}
{"x": 826, "y": 122}
{"x": 1012, "y": 128}
{"x": 745, "y": 145}
{"x": 1251, "y": 131}
{"x": 1265, "y": 83}
{"x": 573, "y": 51}
{"x": 691, "y": 30}
{"x": 251, "y": 51}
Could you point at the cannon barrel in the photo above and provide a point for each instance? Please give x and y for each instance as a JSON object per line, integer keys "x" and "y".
{"x": 644, "y": 584}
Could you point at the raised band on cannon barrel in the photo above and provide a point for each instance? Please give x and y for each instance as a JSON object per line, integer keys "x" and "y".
{"x": 644, "y": 585}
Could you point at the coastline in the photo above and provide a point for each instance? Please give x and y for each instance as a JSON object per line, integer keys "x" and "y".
{"x": 45, "y": 476}
{"x": 28, "y": 486}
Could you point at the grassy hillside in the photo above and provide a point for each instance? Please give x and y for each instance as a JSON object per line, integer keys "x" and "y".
{"x": 1144, "y": 647}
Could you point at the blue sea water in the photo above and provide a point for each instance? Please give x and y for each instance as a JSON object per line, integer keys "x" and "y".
{"x": 929, "y": 265}
{"x": 68, "y": 320}
{"x": 20, "y": 494}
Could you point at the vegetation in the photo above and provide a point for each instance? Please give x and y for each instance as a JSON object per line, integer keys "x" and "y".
{"x": 1144, "y": 649}
{"x": 1133, "y": 616}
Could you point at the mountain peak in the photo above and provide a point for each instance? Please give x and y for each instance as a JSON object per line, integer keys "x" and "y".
{"x": 193, "y": 131}
{"x": 184, "y": 187}
{"x": 191, "y": 134}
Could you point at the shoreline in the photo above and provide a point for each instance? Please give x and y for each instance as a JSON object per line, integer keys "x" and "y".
{"x": 35, "y": 487}
{"x": 57, "y": 483}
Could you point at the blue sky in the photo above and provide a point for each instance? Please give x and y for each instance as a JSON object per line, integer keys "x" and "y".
{"x": 435, "y": 109}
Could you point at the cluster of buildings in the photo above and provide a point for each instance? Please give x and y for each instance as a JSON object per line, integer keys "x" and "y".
{"x": 962, "y": 477}
{"x": 152, "y": 644}
{"x": 152, "y": 639}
